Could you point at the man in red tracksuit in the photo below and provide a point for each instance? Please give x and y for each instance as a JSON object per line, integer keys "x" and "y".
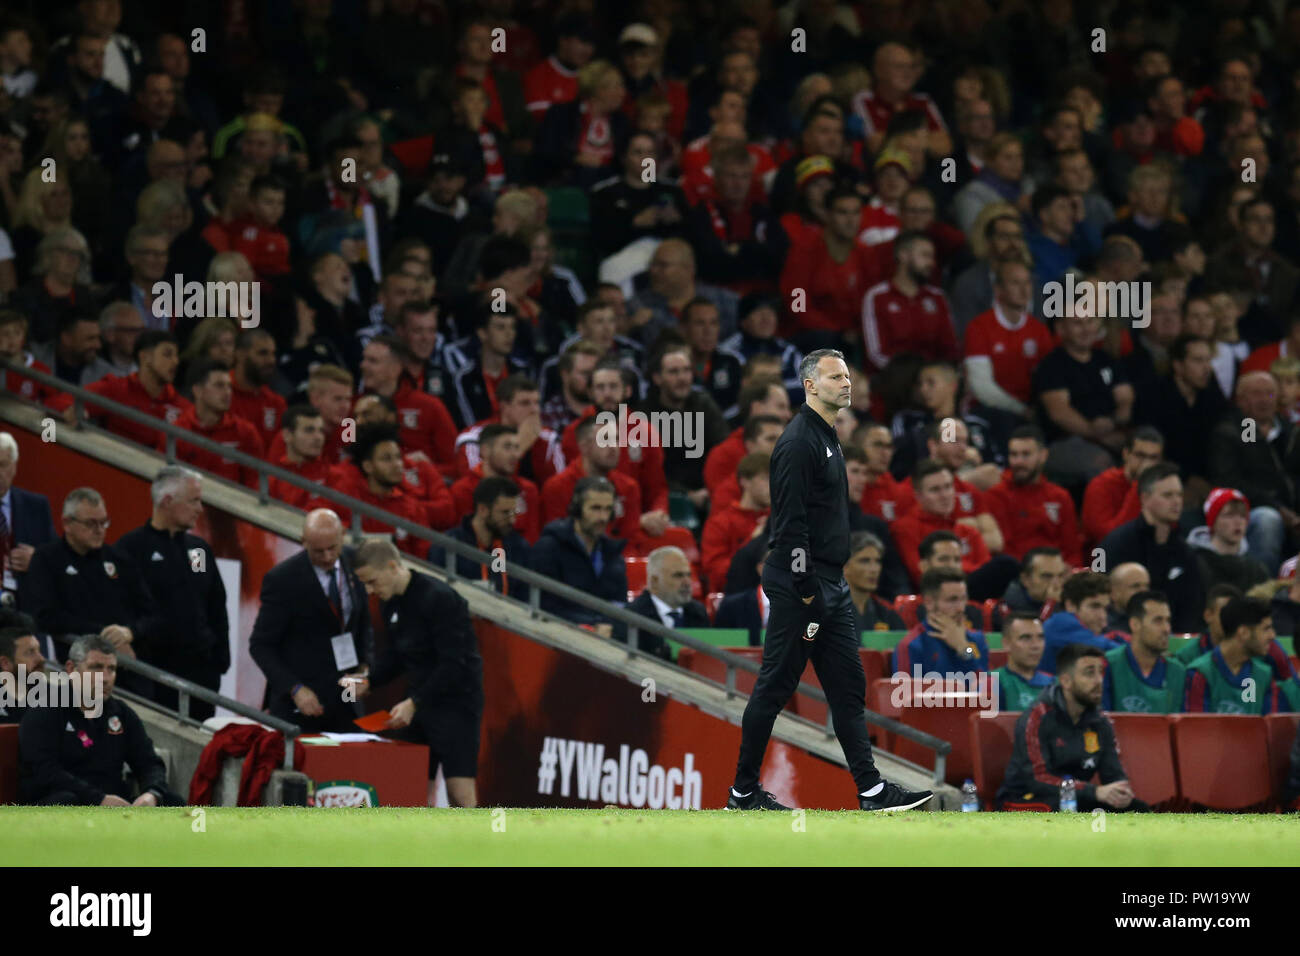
{"x": 936, "y": 510}
{"x": 304, "y": 440}
{"x": 884, "y": 496}
{"x": 210, "y": 417}
{"x": 730, "y": 528}
{"x": 520, "y": 407}
{"x": 420, "y": 477}
{"x": 499, "y": 458}
{"x": 596, "y": 459}
{"x": 905, "y": 313}
{"x": 252, "y": 398}
{"x": 148, "y": 390}
{"x": 425, "y": 423}
{"x": 1032, "y": 511}
{"x": 377, "y": 480}
{"x": 329, "y": 391}
{"x": 758, "y": 434}
{"x": 1111, "y": 499}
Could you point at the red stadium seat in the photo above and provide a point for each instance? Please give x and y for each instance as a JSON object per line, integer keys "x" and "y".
{"x": 1146, "y": 750}
{"x": 905, "y": 606}
{"x": 681, "y": 538}
{"x": 712, "y": 602}
{"x": 8, "y": 763}
{"x": 989, "y": 608}
{"x": 992, "y": 742}
{"x": 636, "y": 574}
{"x": 948, "y": 722}
{"x": 1222, "y": 760}
{"x": 997, "y": 657}
{"x": 875, "y": 663}
{"x": 1281, "y": 729}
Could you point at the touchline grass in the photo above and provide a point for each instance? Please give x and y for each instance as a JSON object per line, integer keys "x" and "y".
{"x": 74, "y": 836}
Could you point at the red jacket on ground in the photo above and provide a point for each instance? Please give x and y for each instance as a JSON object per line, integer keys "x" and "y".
{"x": 911, "y": 529}
{"x": 1037, "y": 515}
{"x": 558, "y": 492}
{"x": 644, "y": 464}
{"x": 528, "y": 513}
{"x": 1109, "y": 500}
{"x": 262, "y": 409}
{"x": 231, "y": 431}
{"x": 725, "y": 532}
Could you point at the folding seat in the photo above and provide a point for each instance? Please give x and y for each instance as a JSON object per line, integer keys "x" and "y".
{"x": 1146, "y": 750}
{"x": 1222, "y": 760}
{"x": 1281, "y": 729}
{"x": 992, "y": 742}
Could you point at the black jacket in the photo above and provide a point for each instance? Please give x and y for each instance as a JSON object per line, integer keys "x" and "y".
{"x": 686, "y": 473}
{"x": 518, "y": 554}
{"x": 291, "y": 636}
{"x": 693, "y": 615}
{"x": 809, "y": 523}
{"x": 560, "y": 555}
{"x": 57, "y": 759}
{"x": 181, "y": 573}
{"x": 741, "y": 610}
{"x": 1173, "y": 568}
{"x": 1261, "y": 470}
{"x": 614, "y": 204}
{"x": 431, "y": 641}
{"x": 72, "y": 594}
{"x": 1049, "y": 746}
{"x": 30, "y": 521}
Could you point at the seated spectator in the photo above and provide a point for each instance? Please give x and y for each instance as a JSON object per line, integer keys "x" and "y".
{"x": 1153, "y": 541}
{"x": 20, "y": 657}
{"x": 946, "y": 442}
{"x": 765, "y": 398}
{"x": 730, "y": 527}
{"x": 1002, "y": 180}
{"x": 337, "y": 213}
{"x": 598, "y": 326}
{"x": 1261, "y": 466}
{"x": 303, "y": 440}
{"x": 148, "y": 390}
{"x": 1149, "y": 221}
{"x": 377, "y": 480}
{"x": 1220, "y": 543}
{"x": 112, "y": 734}
{"x": 329, "y": 391}
{"x": 1147, "y": 362}
{"x": 717, "y": 373}
{"x": 576, "y": 363}
{"x": 1250, "y": 261}
{"x": 210, "y": 417}
{"x": 1234, "y": 677}
{"x": 1285, "y": 607}
{"x": 1139, "y": 677}
{"x": 738, "y": 243}
{"x": 400, "y": 285}
{"x": 576, "y": 140}
{"x": 666, "y": 600}
{"x": 1111, "y": 498}
{"x": 1180, "y": 405}
{"x": 895, "y": 70}
{"x": 58, "y": 282}
{"x": 880, "y": 215}
{"x": 938, "y": 430}
{"x": 491, "y": 525}
{"x": 1212, "y": 633}
{"x": 1037, "y": 590}
{"x": 421, "y": 479}
{"x": 74, "y": 354}
{"x": 673, "y": 284}
{"x": 943, "y": 549}
{"x": 1072, "y": 170}
{"x": 430, "y": 361}
{"x": 757, "y": 336}
{"x": 498, "y": 457}
{"x": 518, "y": 407}
{"x": 1058, "y": 241}
{"x": 904, "y": 313}
{"x": 1065, "y": 734}
{"x": 632, "y": 206}
{"x": 1126, "y": 580}
{"x": 674, "y": 395}
{"x": 555, "y": 80}
{"x": 883, "y": 496}
{"x": 997, "y": 238}
{"x": 13, "y": 339}
{"x": 862, "y": 574}
{"x": 942, "y": 643}
{"x": 474, "y": 385}
{"x": 425, "y": 423}
{"x": 576, "y": 551}
{"x": 597, "y": 458}
{"x": 251, "y": 396}
{"x": 442, "y": 216}
{"x": 1262, "y": 358}
{"x": 1082, "y": 620}
{"x": 1030, "y": 510}
{"x": 1086, "y": 400}
{"x": 258, "y": 237}
{"x": 1020, "y": 682}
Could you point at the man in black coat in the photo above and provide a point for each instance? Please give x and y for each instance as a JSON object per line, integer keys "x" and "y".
{"x": 1153, "y": 541}
{"x": 313, "y": 628}
{"x": 666, "y": 600}
{"x": 180, "y": 571}
{"x": 431, "y": 642}
{"x": 26, "y": 523}
{"x": 491, "y": 526}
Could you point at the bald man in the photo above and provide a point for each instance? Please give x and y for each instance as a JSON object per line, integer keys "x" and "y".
{"x": 1125, "y": 581}
{"x": 312, "y": 629}
{"x": 672, "y": 286}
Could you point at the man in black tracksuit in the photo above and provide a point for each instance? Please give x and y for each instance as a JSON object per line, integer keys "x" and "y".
{"x": 1065, "y": 734}
{"x": 431, "y": 642}
{"x": 803, "y": 578}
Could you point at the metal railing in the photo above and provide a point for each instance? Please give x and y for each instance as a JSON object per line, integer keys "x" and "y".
{"x": 537, "y": 583}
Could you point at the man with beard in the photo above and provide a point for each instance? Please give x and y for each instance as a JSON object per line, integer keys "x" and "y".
{"x": 1032, "y": 511}
{"x": 420, "y": 477}
{"x": 674, "y": 391}
{"x": 905, "y": 313}
{"x": 377, "y": 480}
{"x": 210, "y": 417}
{"x": 499, "y": 458}
{"x": 251, "y": 398}
{"x": 1138, "y": 676}
{"x": 425, "y": 422}
{"x": 148, "y": 390}
{"x": 1038, "y": 589}
{"x": 1065, "y": 734}
{"x": 490, "y": 526}
{"x": 19, "y": 648}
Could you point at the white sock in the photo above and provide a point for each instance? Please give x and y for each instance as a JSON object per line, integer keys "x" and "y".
{"x": 734, "y": 793}
{"x": 874, "y": 790}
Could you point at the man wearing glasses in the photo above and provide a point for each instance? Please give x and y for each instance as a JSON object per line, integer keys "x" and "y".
{"x": 79, "y": 585}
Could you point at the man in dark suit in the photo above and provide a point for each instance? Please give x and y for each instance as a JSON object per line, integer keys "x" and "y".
{"x": 313, "y": 627}
{"x": 666, "y": 600}
{"x": 25, "y": 523}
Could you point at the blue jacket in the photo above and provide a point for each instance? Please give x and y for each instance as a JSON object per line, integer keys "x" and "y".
{"x": 559, "y": 554}
{"x": 922, "y": 647}
{"x": 1065, "y": 628}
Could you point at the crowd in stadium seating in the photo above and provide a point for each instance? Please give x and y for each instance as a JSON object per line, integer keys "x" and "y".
{"x": 475, "y": 227}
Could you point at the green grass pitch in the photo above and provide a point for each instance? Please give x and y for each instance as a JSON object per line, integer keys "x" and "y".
{"x": 69, "y": 836}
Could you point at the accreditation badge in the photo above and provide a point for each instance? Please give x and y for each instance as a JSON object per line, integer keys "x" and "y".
{"x": 1090, "y": 742}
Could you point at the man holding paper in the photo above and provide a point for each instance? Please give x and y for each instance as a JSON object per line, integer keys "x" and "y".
{"x": 431, "y": 641}
{"x": 313, "y": 627}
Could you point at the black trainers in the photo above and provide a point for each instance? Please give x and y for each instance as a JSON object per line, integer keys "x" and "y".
{"x": 757, "y": 800}
{"x": 893, "y": 799}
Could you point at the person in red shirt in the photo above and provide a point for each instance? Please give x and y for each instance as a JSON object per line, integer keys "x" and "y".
{"x": 894, "y": 72}
{"x": 254, "y": 368}
{"x": 1005, "y": 344}
{"x": 731, "y": 527}
{"x": 520, "y": 408}
{"x": 13, "y": 336}
{"x": 329, "y": 391}
{"x": 904, "y": 314}
{"x": 728, "y": 130}
{"x": 936, "y": 507}
{"x": 376, "y": 480}
{"x": 948, "y": 442}
{"x": 1111, "y": 499}
{"x": 555, "y": 79}
{"x": 885, "y": 496}
{"x": 880, "y": 222}
{"x": 424, "y": 420}
{"x": 420, "y": 477}
{"x": 1032, "y": 511}
{"x": 149, "y": 389}
{"x": 1262, "y": 359}
{"x": 833, "y": 268}
{"x": 499, "y": 457}
{"x": 210, "y": 417}
{"x": 303, "y": 439}
{"x": 596, "y": 459}
{"x": 258, "y": 237}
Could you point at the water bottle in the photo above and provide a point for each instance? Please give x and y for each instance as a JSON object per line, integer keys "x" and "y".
{"x": 970, "y": 798}
{"x": 1069, "y": 801}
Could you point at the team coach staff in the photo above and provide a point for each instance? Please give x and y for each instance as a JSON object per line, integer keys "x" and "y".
{"x": 803, "y": 578}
